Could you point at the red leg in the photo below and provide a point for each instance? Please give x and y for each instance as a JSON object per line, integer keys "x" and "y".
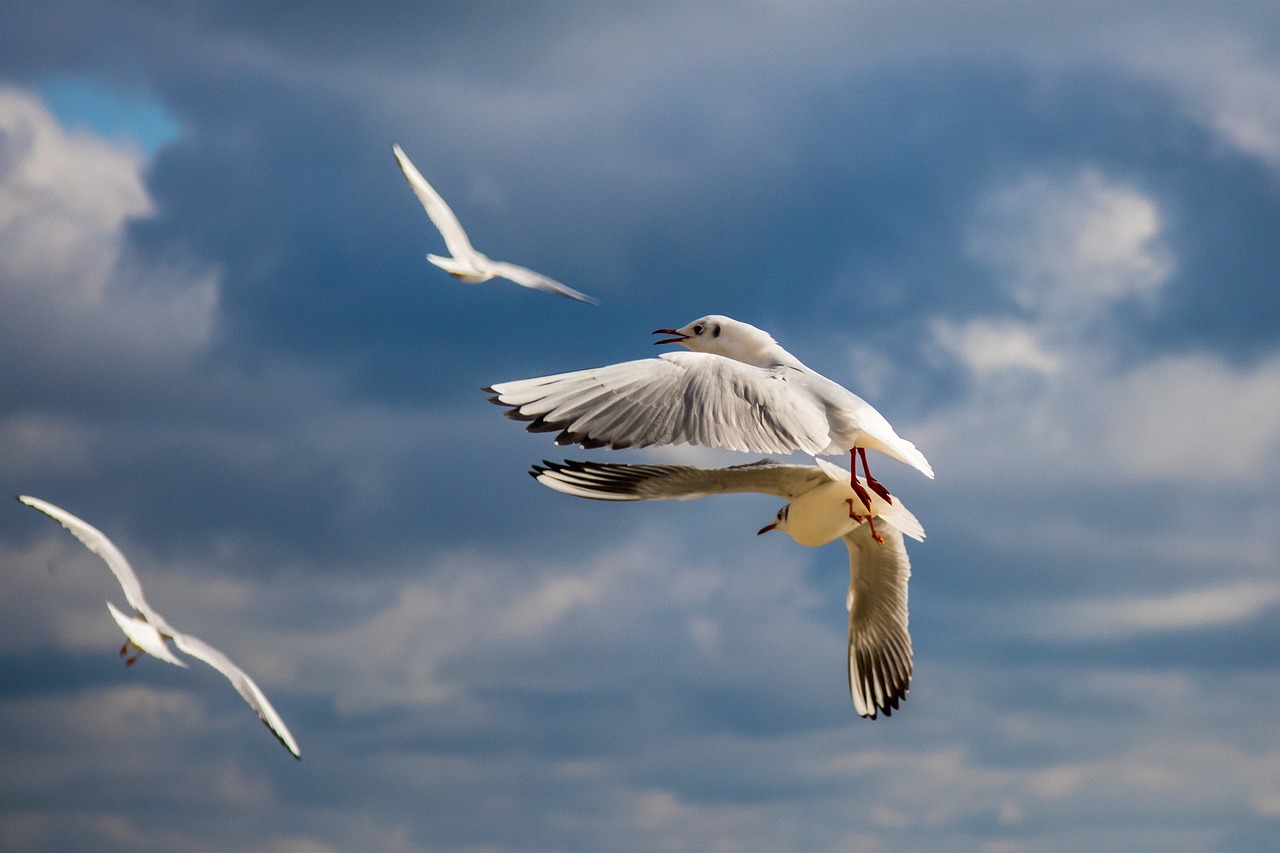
{"x": 853, "y": 480}
{"x": 871, "y": 522}
{"x": 872, "y": 482}
{"x": 124, "y": 649}
{"x": 853, "y": 515}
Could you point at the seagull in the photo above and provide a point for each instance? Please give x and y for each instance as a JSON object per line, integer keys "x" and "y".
{"x": 468, "y": 264}
{"x": 821, "y": 509}
{"x": 147, "y": 631}
{"x": 737, "y": 389}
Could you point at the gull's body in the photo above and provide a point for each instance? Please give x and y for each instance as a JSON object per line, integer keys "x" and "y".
{"x": 148, "y": 630}
{"x": 821, "y": 510}
{"x": 466, "y": 263}
{"x": 737, "y": 389}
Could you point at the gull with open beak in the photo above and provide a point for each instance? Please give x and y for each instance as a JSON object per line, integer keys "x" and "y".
{"x": 736, "y": 388}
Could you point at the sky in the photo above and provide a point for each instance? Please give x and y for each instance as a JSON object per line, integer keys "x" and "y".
{"x": 1038, "y": 237}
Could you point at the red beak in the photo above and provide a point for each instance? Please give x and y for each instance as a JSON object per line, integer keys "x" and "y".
{"x": 677, "y": 339}
{"x": 766, "y": 528}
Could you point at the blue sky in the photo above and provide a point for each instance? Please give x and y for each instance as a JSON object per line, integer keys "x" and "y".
{"x": 1040, "y": 238}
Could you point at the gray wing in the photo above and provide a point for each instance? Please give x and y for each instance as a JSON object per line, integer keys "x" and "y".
{"x": 678, "y": 398}
{"x": 538, "y": 281}
{"x": 243, "y": 684}
{"x": 879, "y": 643}
{"x": 97, "y": 542}
{"x": 612, "y": 482}
{"x": 440, "y": 213}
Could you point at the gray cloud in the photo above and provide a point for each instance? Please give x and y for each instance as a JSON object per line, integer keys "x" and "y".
{"x": 1033, "y": 236}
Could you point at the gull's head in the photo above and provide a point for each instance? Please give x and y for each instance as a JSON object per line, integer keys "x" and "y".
{"x": 720, "y": 335}
{"x": 779, "y": 521}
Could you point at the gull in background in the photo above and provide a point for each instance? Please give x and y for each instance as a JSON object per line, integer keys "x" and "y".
{"x": 821, "y": 509}
{"x": 736, "y": 389}
{"x": 148, "y": 630}
{"x": 468, "y": 264}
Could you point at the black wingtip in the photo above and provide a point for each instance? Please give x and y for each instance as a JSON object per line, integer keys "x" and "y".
{"x": 537, "y": 424}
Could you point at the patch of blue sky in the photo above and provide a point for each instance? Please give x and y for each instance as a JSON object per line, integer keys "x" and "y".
{"x": 112, "y": 113}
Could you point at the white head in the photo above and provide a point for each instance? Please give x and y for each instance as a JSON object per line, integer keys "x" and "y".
{"x": 779, "y": 522}
{"x": 720, "y": 335}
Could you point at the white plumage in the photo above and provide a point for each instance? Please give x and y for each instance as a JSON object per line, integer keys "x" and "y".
{"x": 823, "y": 507}
{"x": 737, "y": 389}
{"x": 148, "y": 630}
{"x": 468, "y": 264}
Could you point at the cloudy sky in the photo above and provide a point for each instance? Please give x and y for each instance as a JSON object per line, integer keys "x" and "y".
{"x": 1039, "y": 237}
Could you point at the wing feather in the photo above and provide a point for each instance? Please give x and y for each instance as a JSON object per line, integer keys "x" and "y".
{"x": 679, "y": 398}
{"x": 880, "y": 659}
{"x": 441, "y": 215}
{"x": 528, "y": 278}
{"x": 243, "y": 684}
{"x": 614, "y": 482}
{"x": 97, "y": 542}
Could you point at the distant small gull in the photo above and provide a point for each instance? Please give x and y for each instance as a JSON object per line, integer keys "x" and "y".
{"x": 468, "y": 264}
{"x": 822, "y": 509}
{"x": 148, "y": 630}
{"x": 738, "y": 389}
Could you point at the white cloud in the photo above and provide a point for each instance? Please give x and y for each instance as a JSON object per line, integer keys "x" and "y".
{"x": 988, "y": 346}
{"x": 1194, "y": 414}
{"x": 76, "y": 306}
{"x": 1065, "y": 251}
{"x": 1068, "y": 248}
{"x": 1122, "y": 617}
{"x": 1225, "y": 80}
{"x": 528, "y": 621}
{"x": 1179, "y": 419}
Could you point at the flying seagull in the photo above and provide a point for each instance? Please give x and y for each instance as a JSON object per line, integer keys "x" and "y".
{"x": 823, "y": 507}
{"x": 147, "y": 631}
{"x": 468, "y": 264}
{"x": 737, "y": 389}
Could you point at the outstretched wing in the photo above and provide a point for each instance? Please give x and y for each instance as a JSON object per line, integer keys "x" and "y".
{"x": 441, "y": 214}
{"x": 538, "y": 281}
{"x": 879, "y": 643}
{"x": 243, "y": 684}
{"x": 97, "y": 542}
{"x": 613, "y": 482}
{"x": 678, "y": 398}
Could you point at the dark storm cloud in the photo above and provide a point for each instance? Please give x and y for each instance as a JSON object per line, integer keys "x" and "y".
{"x": 305, "y": 470}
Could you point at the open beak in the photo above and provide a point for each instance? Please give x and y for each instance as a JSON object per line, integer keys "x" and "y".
{"x": 766, "y": 528}
{"x": 679, "y": 336}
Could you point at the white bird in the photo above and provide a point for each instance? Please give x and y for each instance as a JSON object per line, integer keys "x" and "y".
{"x": 822, "y": 509}
{"x": 468, "y": 264}
{"x": 737, "y": 389}
{"x": 148, "y": 630}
